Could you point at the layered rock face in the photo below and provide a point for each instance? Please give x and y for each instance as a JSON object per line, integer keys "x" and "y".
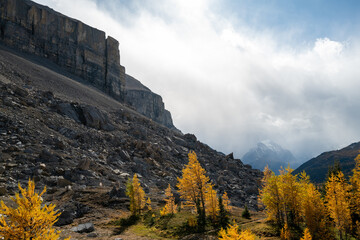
{"x": 79, "y": 49}
{"x": 75, "y": 46}
{"x": 146, "y": 102}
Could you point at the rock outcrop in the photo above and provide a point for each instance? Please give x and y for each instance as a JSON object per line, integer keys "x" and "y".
{"x": 79, "y": 49}
{"x": 146, "y": 102}
{"x": 73, "y": 45}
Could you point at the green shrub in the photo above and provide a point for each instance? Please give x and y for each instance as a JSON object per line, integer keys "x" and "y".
{"x": 246, "y": 213}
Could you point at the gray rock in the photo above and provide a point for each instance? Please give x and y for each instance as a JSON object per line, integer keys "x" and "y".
{"x": 92, "y": 235}
{"x": 84, "y": 228}
{"x": 68, "y": 109}
{"x": 94, "y": 118}
{"x": 70, "y": 211}
{"x": 71, "y": 44}
{"x": 21, "y": 92}
{"x": 61, "y": 182}
{"x": 3, "y": 191}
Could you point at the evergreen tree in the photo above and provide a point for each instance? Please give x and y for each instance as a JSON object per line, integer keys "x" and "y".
{"x": 223, "y": 214}
{"x": 246, "y": 213}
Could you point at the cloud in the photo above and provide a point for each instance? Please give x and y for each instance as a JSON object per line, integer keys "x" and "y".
{"x": 230, "y": 85}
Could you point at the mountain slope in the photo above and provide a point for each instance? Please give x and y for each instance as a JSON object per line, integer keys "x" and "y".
{"x": 317, "y": 167}
{"x": 269, "y": 153}
{"x": 64, "y": 132}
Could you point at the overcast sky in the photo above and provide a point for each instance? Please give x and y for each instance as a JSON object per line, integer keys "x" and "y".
{"x": 238, "y": 72}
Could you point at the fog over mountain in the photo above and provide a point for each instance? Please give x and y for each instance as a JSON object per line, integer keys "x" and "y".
{"x": 268, "y": 153}
{"x": 237, "y": 73}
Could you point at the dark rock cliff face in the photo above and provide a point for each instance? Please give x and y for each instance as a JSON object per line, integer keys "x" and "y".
{"x": 79, "y": 49}
{"x": 146, "y": 102}
{"x": 75, "y": 46}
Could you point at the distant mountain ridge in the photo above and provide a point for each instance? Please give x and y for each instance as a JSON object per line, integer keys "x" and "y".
{"x": 269, "y": 153}
{"x": 317, "y": 167}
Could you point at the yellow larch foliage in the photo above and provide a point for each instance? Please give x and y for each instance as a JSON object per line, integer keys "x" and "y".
{"x": 291, "y": 194}
{"x": 232, "y": 233}
{"x": 337, "y": 202}
{"x": 314, "y": 211}
{"x": 30, "y": 219}
{"x": 285, "y": 233}
{"x": 226, "y": 202}
{"x": 269, "y": 196}
{"x": 281, "y": 195}
{"x": 170, "y": 206}
{"x": 307, "y": 235}
{"x": 355, "y": 187}
{"x": 193, "y": 183}
{"x": 136, "y": 194}
{"x": 211, "y": 202}
{"x": 148, "y": 204}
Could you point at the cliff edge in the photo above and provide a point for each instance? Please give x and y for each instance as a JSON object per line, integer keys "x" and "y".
{"x": 146, "y": 102}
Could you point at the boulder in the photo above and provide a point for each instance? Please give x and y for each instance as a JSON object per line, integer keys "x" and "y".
{"x": 70, "y": 211}
{"x": 94, "y": 118}
{"x": 84, "y": 228}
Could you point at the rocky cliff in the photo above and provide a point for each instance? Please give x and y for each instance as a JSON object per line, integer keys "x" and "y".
{"x": 146, "y": 102}
{"x": 73, "y": 45}
{"x": 79, "y": 49}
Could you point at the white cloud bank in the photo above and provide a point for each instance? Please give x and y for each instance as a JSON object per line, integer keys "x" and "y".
{"x": 232, "y": 86}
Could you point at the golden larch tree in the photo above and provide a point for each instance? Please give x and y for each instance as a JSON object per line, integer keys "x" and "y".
{"x": 337, "y": 203}
{"x": 226, "y": 202}
{"x": 170, "y": 206}
{"x": 136, "y": 194}
{"x": 148, "y": 204}
{"x": 30, "y": 219}
{"x": 290, "y": 193}
{"x": 232, "y": 233}
{"x": 211, "y": 202}
{"x": 355, "y": 196}
{"x": 307, "y": 235}
{"x": 285, "y": 233}
{"x": 314, "y": 209}
{"x": 270, "y": 197}
{"x": 193, "y": 183}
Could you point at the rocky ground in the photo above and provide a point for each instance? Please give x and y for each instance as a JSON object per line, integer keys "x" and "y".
{"x": 83, "y": 145}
